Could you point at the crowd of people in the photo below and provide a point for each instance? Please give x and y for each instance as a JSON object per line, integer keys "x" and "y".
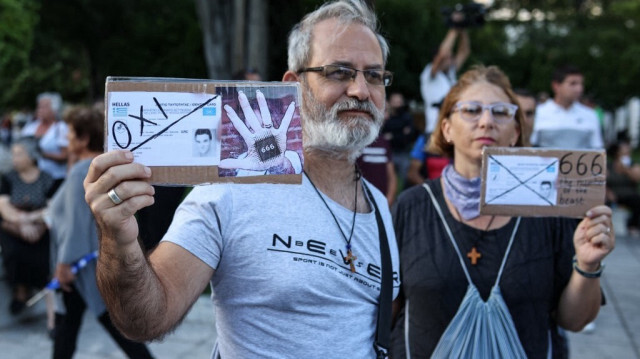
{"x": 387, "y": 213}
{"x": 47, "y": 227}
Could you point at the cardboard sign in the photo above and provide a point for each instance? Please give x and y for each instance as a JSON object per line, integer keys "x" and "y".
{"x": 201, "y": 131}
{"x": 519, "y": 181}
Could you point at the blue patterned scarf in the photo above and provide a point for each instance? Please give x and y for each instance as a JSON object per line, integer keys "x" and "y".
{"x": 463, "y": 193}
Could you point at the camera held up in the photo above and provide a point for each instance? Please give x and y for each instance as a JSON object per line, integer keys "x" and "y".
{"x": 464, "y": 15}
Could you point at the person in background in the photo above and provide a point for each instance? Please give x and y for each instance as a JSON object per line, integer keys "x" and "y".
{"x": 423, "y": 164}
{"x": 527, "y": 103}
{"x": 440, "y": 74}
{"x": 564, "y": 122}
{"x": 23, "y": 235}
{"x": 6, "y": 129}
{"x": 435, "y": 82}
{"x": 74, "y": 234}
{"x": 623, "y": 177}
{"x": 472, "y": 283}
{"x": 6, "y": 137}
{"x": 51, "y": 134}
{"x": 249, "y": 74}
{"x": 416, "y": 173}
{"x": 589, "y": 101}
{"x": 376, "y": 165}
{"x": 398, "y": 130}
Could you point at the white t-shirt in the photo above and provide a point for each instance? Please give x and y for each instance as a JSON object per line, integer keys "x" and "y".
{"x": 433, "y": 92}
{"x": 572, "y": 128}
{"x": 51, "y": 142}
{"x": 281, "y": 288}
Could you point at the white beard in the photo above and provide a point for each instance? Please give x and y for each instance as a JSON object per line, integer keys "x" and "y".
{"x": 343, "y": 138}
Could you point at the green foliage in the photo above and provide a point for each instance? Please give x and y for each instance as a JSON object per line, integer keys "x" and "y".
{"x": 77, "y": 43}
{"x": 283, "y": 14}
{"x": 17, "y": 18}
{"x": 413, "y": 36}
{"x": 71, "y": 46}
{"x": 599, "y": 37}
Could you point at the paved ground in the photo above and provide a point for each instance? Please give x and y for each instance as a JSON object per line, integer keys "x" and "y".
{"x": 27, "y": 339}
{"x": 617, "y": 333}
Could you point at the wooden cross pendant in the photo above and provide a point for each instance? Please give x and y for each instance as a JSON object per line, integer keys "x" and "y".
{"x": 474, "y": 255}
{"x": 350, "y": 258}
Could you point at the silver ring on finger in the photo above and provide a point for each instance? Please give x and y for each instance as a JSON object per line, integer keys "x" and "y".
{"x": 608, "y": 230}
{"x": 113, "y": 196}
{"x": 268, "y": 126}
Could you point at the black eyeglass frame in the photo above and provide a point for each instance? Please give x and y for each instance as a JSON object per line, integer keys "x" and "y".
{"x": 387, "y": 76}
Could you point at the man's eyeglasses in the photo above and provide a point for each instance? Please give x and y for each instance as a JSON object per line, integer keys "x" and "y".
{"x": 471, "y": 111}
{"x": 344, "y": 73}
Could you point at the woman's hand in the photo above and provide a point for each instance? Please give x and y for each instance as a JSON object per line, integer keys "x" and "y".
{"x": 594, "y": 238}
{"x": 31, "y": 232}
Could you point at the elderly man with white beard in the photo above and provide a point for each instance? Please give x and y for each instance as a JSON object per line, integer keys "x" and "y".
{"x": 296, "y": 270}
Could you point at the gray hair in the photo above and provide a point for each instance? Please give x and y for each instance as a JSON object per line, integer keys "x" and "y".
{"x": 56, "y": 101}
{"x": 30, "y": 146}
{"x": 347, "y": 12}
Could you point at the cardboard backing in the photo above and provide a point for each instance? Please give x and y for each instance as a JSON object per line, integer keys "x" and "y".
{"x": 192, "y": 175}
{"x": 580, "y": 184}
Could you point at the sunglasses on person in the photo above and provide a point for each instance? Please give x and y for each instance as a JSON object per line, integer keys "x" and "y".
{"x": 377, "y": 77}
{"x": 471, "y": 111}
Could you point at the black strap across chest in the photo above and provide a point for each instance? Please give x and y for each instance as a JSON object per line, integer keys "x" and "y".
{"x": 383, "y": 329}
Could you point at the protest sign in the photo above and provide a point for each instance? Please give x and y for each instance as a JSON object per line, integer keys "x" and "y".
{"x": 541, "y": 182}
{"x": 201, "y": 131}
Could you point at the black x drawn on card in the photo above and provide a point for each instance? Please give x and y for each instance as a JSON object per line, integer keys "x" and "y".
{"x": 522, "y": 183}
{"x": 143, "y": 120}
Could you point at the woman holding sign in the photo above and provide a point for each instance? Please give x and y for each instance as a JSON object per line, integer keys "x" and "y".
{"x": 487, "y": 286}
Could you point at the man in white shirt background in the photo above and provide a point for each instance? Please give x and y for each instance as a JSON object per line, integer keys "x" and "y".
{"x": 563, "y": 122}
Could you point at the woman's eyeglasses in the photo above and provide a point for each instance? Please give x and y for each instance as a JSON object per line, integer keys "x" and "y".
{"x": 344, "y": 73}
{"x": 471, "y": 111}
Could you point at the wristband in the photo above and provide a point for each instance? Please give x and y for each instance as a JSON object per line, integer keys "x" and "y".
{"x": 595, "y": 274}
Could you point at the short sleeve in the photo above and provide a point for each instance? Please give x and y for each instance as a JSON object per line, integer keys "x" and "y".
{"x": 417, "y": 153}
{"x": 596, "y": 134}
{"x": 197, "y": 225}
{"x": 61, "y": 134}
{"x": 425, "y": 79}
{"x": 80, "y": 225}
{"x": 387, "y": 151}
{"x": 533, "y": 138}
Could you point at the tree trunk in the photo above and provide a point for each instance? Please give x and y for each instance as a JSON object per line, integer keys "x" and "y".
{"x": 235, "y": 35}
{"x": 239, "y": 33}
{"x": 216, "y": 21}
{"x": 258, "y": 36}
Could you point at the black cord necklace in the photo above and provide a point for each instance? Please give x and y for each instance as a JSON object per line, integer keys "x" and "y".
{"x": 350, "y": 258}
{"x": 473, "y": 254}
